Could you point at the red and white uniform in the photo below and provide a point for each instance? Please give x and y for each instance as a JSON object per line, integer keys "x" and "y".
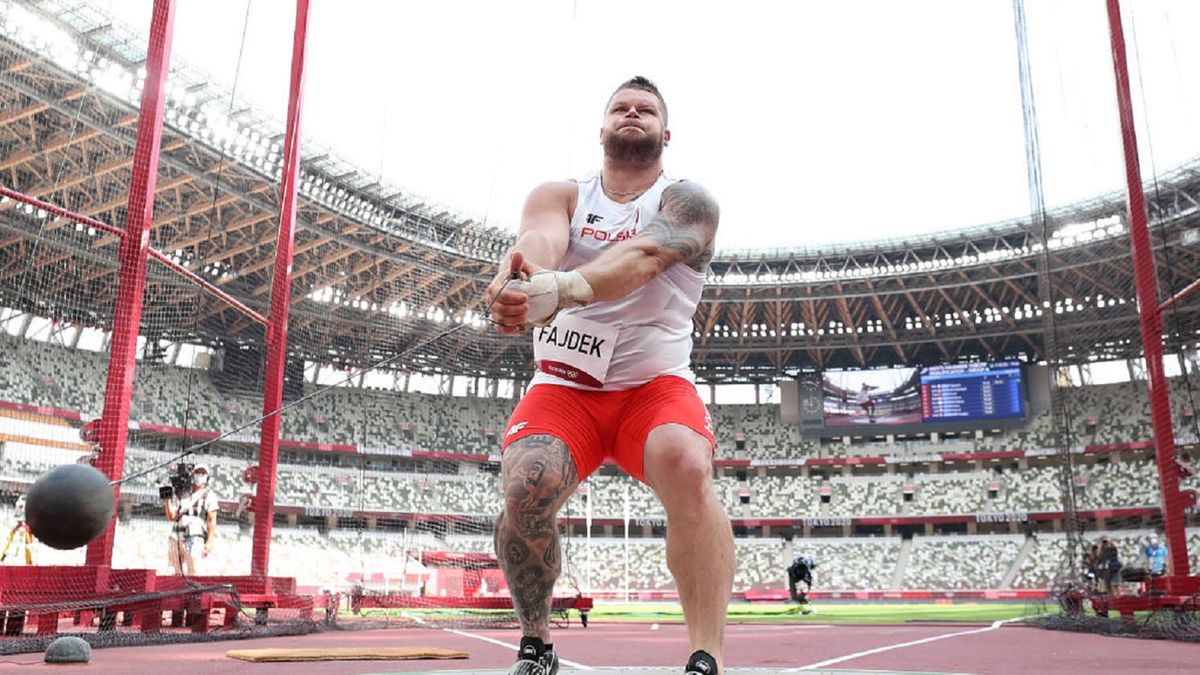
{"x": 654, "y": 323}
{"x": 611, "y": 372}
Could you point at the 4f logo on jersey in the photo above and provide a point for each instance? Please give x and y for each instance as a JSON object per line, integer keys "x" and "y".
{"x": 593, "y": 218}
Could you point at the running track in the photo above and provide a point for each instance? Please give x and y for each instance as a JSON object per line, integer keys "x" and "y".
{"x": 978, "y": 648}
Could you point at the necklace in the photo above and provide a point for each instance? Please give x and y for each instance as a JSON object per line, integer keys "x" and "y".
{"x": 630, "y": 193}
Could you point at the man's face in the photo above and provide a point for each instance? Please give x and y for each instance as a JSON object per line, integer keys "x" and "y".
{"x": 634, "y": 130}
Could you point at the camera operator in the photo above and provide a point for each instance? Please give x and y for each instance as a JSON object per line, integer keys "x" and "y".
{"x": 21, "y": 535}
{"x": 193, "y": 510}
{"x": 801, "y": 571}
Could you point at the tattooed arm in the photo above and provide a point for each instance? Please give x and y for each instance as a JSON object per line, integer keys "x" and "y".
{"x": 683, "y": 232}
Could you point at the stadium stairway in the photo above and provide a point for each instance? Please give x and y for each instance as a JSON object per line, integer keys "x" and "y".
{"x": 901, "y": 563}
{"x": 1026, "y": 549}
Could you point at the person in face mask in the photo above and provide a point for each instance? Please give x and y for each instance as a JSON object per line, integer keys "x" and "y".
{"x": 1155, "y": 555}
{"x": 195, "y": 524}
{"x": 20, "y": 535}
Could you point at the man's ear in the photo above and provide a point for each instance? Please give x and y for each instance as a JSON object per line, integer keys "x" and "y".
{"x": 666, "y": 137}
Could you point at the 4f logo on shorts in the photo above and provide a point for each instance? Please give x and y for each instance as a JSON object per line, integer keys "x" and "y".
{"x": 516, "y": 428}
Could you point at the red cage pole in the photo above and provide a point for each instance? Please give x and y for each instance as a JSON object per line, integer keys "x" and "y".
{"x": 135, "y": 245}
{"x": 182, "y": 271}
{"x": 281, "y": 289}
{"x": 52, "y": 209}
{"x": 1145, "y": 278}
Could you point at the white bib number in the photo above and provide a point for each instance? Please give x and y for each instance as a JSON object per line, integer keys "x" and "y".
{"x": 575, "y": 349}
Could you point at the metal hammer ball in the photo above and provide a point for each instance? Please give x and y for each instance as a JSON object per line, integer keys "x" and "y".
{"x": 69, "y": 506}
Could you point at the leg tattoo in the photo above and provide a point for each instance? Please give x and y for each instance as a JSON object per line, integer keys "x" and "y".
{"x": 538, "y": 476}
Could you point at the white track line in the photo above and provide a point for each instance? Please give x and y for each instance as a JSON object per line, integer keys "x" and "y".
{"x": 760, "y": 628}
{"x": 888, "y": 648}
{"x": 511, "y": 646}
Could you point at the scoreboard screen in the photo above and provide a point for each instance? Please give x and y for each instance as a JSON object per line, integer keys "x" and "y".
{"x": 972, "y": 391}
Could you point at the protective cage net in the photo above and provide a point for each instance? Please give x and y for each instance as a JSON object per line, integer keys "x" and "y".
{"x": 1093, "y": 393}
{"x": 386, "y": 487}
{"x": 368, "y": 520}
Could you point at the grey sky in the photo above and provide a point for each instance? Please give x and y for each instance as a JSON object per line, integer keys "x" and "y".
{"x": 813, "y": 122}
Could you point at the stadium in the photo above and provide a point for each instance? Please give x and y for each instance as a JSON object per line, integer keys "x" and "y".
{"x": 949, "y": 423}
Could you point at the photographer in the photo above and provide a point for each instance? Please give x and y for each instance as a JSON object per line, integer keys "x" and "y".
{"x": 801, "y": 571}
{"x": 192, "y": 507}
{"x": 1108, "y": 566}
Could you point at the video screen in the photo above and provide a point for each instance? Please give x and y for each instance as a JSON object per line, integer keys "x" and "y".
{"x": 966, "y": 392}
{"x": 872, "y": 397}
{"x": 972, "y": 391}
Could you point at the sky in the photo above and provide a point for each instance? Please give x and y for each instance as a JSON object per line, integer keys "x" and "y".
{"x": 813, "y": 123}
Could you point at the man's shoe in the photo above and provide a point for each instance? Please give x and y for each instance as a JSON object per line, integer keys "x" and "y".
{"x": 701, "y": 663}
{"x": 534, "y": 659}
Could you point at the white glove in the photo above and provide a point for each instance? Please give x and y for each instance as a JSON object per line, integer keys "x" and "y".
{"x": 550, "y": 291}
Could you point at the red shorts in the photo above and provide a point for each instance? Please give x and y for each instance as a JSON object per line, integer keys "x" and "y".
{"x": 608, "y": 424}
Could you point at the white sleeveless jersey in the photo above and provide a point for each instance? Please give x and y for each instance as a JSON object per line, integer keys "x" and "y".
{"x": 654, "y": 323}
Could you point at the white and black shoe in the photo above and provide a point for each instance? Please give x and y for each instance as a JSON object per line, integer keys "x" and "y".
{"x": 701, "y": 663}
{"x": 535, "y": 658}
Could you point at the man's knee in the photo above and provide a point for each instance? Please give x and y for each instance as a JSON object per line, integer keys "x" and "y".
{"x": 537, "y": 476}
{"x": 678, "y": 461}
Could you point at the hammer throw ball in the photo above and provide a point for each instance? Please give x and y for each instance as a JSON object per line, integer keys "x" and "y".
{"x": 69, "y": 506}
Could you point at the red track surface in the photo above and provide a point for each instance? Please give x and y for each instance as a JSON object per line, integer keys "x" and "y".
{"x": 1009, "y": 649}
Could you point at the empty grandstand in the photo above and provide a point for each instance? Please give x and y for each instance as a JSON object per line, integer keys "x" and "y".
{"x": 398, "y": 391}
{"x": 884, "y": 517}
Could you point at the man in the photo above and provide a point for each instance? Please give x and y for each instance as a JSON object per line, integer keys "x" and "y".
{"x": 1109, "y": 566}
{"x": 612, "y": 330}
{"x": 195, "y": 523}
{"x": 1155, "y": 555}
{"x": 866, "y": 401}
{"x": 21, "y": 535}
{"x": 801, "y": 570}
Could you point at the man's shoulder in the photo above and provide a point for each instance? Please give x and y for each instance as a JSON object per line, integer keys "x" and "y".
{"x": 557, "y": 188}
{"x": 686, "y": 186}
{"x": 553, "y": 195}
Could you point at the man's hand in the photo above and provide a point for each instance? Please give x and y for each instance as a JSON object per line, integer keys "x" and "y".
{"x": 529, "y": 296}
{"x": 547, "y": 292}
{"x": 510, "y": 307}
{"x": 207, "y": 548}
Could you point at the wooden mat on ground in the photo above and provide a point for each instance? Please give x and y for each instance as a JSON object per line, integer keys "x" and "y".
{"x": 346, "y": 654}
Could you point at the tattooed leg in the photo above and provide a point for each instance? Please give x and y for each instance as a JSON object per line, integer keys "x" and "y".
{"x": 538, "y": 475}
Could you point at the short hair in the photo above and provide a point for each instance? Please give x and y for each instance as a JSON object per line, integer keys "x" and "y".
{"x": 643, "y": 84}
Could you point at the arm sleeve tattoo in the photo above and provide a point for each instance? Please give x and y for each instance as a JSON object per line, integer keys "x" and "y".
{"x": 686, "y": 224}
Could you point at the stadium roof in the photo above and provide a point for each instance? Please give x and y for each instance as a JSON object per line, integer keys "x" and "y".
{"x": 378, "y": 270}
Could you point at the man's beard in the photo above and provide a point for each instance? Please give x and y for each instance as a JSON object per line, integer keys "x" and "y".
{"x": 637, "y": 149}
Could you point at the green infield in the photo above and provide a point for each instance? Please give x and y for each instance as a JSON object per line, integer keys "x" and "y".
{"x": 668, "y": 612}
{"x": 821, "y": 613}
